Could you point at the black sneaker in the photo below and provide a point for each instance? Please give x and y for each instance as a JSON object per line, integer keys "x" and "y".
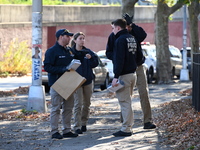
{"x": 149, "y": 125}
{"x": 83, "y": 129}
{"x": 70, "y": 134}
{"x": 78, "y": 131}
{"x": 121, "y": 133}
{"x": 56, "y": 136}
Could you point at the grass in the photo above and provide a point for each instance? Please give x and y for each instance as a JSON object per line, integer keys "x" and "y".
{"x": 16, "y": 60}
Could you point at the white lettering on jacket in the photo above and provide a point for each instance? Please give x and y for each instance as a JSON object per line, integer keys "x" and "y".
{"x": 132, "y": 45}
{"x": 61, "y": 56}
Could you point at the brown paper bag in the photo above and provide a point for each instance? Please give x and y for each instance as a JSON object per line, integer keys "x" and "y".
{"x": 68, "y": 83}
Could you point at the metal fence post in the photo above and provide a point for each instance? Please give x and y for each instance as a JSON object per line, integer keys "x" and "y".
{"x": 196, "y": 81}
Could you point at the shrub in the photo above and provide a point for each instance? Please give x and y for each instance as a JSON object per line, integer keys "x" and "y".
{"x": 17, "y": 59}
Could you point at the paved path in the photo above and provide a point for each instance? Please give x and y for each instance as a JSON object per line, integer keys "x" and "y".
{"x": 104, "y": 121}
{"x": 12, "y": 83}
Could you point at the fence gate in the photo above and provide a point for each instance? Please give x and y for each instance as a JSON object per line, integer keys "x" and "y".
{"x": 196, "y": 81}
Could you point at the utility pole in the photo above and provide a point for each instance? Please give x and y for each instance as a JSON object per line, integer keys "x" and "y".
{"x": 184, "y": 71}
{"x": 36, "y": 99}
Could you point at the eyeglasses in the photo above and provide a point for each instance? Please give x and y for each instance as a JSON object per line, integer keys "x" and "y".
{"x": 66, "y": 31}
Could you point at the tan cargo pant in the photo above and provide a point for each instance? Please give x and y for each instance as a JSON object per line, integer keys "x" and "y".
{"x": 82, "y": 105}
{"x": 143, "y": 90}
{"x": 125, "y": 102}
{"x": 67, "y": 105}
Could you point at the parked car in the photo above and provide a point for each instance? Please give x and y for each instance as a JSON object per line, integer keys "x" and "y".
{"x": 101, "y": 77}
{"x": 176, "y": 60}
{"x": 149, "y": 51}
{"x": 108, "y": 63}
{"x": 101, "y": 74}
{"x": 145, "y": 2}
{"x": 150, "y": 62}
{"x": 45, "y": 80}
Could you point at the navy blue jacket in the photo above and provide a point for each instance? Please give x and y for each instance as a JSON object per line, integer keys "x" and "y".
{"x": 85, "y": 69}
{"x": 110, "y": 46}
{"x": 57, "y": 58}
{"x": 124, "y": 53}
{"x": 138, "y": 33}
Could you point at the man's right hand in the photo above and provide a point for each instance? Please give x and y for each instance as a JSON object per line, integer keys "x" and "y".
{"x": 115, "y": 82}
{"x": 66, "y": 69}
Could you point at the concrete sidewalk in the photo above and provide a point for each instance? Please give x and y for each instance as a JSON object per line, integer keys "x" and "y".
{"x": 104, "y": 120}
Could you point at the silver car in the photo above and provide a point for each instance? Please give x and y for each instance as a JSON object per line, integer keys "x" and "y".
{"x": 108, "y": 63}
{"x": 176, "y": 61}
{"x": 149, "y": 51}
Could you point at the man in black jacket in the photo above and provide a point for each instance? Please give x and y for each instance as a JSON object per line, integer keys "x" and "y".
{"x": 124, "y": 66}
{"x": 141, "y": 82}
{"x": 57, "y": 58}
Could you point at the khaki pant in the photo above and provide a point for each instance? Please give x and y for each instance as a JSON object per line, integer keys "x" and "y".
{"x": 143, "y": 90}
{"x": 125, "y": 102}
{"x": 82, "y": 105}
{"x": 67, "y": 105}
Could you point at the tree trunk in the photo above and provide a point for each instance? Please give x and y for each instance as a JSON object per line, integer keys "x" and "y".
{"x": 128, "y": 6}
{"x": 194, "y": 10}
{"x": 162, "y": 41}
{"x": 164, "y": 67}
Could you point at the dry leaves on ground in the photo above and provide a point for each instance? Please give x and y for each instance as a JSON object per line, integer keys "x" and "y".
{"x": 20, "y": 90}
{"x": 30, "y": 116}
{"x": 20, "y": 115}
{"x": 179, "y": 124}
{"x": 187, "y": 92}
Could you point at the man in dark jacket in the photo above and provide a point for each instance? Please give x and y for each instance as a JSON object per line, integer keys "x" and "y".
{"x": 124, "y": 67}
{"x": 57, "y": 58}
{"x": 141, "y": 83}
